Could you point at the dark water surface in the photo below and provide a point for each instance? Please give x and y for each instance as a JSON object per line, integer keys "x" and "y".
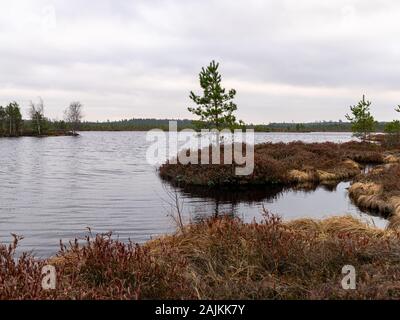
{"x": 53, "y": 188}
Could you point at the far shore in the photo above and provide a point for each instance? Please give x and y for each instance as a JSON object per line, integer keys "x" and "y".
{"x": 373, "y": 137}
{"x": 47, "y": 134}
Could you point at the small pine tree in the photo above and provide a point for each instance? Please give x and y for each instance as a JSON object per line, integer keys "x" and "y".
{"x": 362, "y": 122}
{"x": 215, "y": 107}
{"x": 13, "y": 119}
{"x": 392, "y": 130}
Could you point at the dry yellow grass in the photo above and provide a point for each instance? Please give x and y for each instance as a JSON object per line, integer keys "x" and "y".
{"x": 327, "y": 176}
{"x": 337, "y": 225}
{"x": 391, "y": 159}
{"x": 345, "y": 170}
{"x": 352, "y": 164}
{"x": 67, "y": 259}
{"x": 306, "y": 225}
{"x": 353, "y": 226}
{"x": 360, "y": 188}
{"x": 395, "y": 202}
{"x": 299, "y": 176}
{"x": 379, "y": 190}
{"x": 370, "y": 196}
{"x": 377, "y": 170}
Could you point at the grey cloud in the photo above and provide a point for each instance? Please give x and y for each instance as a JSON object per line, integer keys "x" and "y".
{"x": 146, "y": 55}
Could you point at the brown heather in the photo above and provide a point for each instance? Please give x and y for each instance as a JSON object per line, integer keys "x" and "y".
{"x": 219, "y": 259}
{"x": 283, "y": 163}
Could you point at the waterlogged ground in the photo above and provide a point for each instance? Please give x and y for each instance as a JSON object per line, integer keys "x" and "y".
{"x": 54, "y": 188}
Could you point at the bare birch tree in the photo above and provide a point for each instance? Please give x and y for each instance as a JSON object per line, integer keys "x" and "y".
{"x": 73, "y": 115}
{"x": 36, "y": 113}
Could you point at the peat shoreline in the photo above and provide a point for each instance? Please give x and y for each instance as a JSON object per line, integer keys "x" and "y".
{"x": 49, "y": 134}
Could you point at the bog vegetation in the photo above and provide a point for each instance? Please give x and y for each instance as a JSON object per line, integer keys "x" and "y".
{"x": 220, "y": 258}
{"x": 283, "y": 163}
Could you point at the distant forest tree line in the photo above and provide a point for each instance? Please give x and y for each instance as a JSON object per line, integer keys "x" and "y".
{"x": 12, "y": 124}
{"x": 145, "y": 124}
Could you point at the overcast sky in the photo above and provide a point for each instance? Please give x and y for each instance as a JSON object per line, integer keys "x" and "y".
{"x": 288, "y": 60}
